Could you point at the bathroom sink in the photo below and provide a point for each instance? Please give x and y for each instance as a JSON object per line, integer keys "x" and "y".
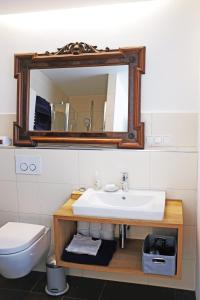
{"x": 134, "y": 204}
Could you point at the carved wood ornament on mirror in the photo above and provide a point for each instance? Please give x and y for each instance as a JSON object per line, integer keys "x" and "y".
{"x": 75, "y": 55}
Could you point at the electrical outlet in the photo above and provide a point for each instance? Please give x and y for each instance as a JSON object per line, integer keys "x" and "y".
{"x": 29, "y": 165}
{"x": 157, "y": 141}
{"x": 154, "y": 141}
{"x": 149, "y": 140}
{"x": 166, "y": 140}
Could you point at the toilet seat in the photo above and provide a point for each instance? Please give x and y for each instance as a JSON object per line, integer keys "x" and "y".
{"x": 16, "y": 237}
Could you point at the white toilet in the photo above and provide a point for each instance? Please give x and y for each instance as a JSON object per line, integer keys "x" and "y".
{"x": 21, "y": 247}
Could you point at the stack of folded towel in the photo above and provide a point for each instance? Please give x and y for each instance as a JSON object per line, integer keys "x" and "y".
{"x": 87, "y": 250}
{"x": 96, "y": 230}
{"x": 83, "y": 245}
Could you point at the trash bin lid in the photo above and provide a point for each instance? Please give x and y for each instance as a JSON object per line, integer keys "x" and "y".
{"x": 51, "y": 262}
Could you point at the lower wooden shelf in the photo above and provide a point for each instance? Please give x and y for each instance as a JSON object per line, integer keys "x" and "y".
{"x": 128, "y": 260}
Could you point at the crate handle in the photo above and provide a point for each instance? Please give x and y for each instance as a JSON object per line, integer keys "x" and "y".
{"x": 158, "y": 260}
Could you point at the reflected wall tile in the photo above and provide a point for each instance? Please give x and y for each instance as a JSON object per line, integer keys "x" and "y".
{"x": 8, "y": 217}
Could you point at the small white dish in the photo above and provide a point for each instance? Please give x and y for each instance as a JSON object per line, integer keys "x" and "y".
{"x": 111, "y": 187}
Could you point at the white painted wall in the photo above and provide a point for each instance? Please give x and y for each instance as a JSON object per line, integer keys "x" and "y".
{"x": 165, "y": 27}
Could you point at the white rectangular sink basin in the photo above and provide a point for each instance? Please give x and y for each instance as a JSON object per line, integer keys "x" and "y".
{"x": 134, "y": 204}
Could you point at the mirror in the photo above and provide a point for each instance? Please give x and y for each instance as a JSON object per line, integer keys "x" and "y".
{"x": 80, "y": 94}
{"x": 83, "y": 99}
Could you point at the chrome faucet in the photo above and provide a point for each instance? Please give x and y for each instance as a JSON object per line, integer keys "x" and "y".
{"x": 124, "y": 182}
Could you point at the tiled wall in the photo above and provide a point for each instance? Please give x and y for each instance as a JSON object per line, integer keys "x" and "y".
{"x": 174, "y": 169}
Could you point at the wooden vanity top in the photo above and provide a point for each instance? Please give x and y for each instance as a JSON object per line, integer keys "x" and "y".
{"x": 173, "y": 215}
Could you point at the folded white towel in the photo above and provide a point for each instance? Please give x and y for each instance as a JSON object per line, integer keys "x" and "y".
{"x": 108, "y": 227}
{"x": 95, "y": 230}
{"x": 83, "y": 245}
{"x": 95, "y": 226}
{"x": 83, "y": 228}
{"x": 107, "y": 231}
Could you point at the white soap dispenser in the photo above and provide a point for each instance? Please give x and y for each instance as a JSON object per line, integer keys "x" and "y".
{"x": 97, "y": 184}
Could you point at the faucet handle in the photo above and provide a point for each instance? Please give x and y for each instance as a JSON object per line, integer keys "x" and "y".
{"x": 124, "y": 176}
{"x": 124, "y": 181}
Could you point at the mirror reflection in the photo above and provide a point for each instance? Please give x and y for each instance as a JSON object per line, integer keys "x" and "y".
{"x": 81, "y": 99}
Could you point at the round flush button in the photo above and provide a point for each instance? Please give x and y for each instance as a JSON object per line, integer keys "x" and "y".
{"x": 23, "y": 166}
{"x": 32, "y": 167}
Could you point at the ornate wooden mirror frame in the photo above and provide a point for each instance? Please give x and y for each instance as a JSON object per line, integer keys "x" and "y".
{"x": 81, "y": 55}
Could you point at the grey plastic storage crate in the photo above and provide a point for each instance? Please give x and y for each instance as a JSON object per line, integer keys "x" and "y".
{"x": 156, "y": 263}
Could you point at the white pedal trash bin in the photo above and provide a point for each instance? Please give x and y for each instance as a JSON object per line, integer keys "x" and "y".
{"x": 56, "y": 278}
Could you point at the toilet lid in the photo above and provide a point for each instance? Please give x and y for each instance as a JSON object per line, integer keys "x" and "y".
{"x": 15, "y": 237}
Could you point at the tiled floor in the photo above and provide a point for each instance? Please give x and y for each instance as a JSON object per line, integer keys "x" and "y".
{"x": 32, "y": 286}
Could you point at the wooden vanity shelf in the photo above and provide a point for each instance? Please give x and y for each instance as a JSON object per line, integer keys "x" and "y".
{"x": 126, "y": 260}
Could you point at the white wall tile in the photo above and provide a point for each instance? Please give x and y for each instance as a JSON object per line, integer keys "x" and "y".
{"x": 41, "y": 266}
{"x": 187, "y": 282}
{"x": 8, "y": 201}
{"x": 7, "y": 164}
{"x": 59, "y": 166}
{"x": 45, "y": 220}
{"x": 110, "y": 165}
{"x": 52, "y": 196}
{"x": 173, "y": 170}
{"x": 28, "y": 197}
{"x": 29, "y": 218}
{"x": 8, "y": 217}
{"x": 189, "y": 242}
{"x": 42, "y": 198}
{"x": 181, "y": 127}
{"x": 189, "y": 198}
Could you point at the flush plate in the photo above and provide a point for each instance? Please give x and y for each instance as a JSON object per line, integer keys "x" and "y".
{"x": 28, "y": 164}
